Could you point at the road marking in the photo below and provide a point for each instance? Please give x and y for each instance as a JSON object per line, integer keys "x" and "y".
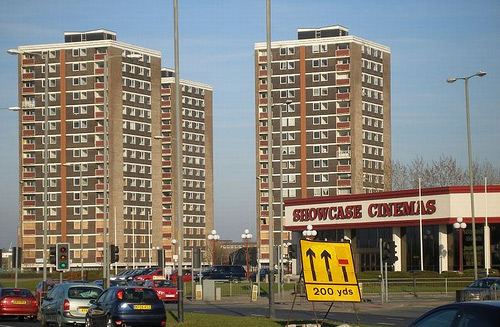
{"x": 6, "y": 326}
{"x": 386, "y": 323}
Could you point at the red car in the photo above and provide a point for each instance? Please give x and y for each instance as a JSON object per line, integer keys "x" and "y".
{"x": 164, "y": 288}
{"x": 155, "y": 274}
{"x": 18, "y": 302}
{"x": 186, "y": 276}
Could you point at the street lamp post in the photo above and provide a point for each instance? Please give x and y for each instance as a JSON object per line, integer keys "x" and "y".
{"x": 246, "y": 236}
{"x": 469, "y": 151}
{"x": 459, "y": 225}
{"x": 214, "y": 238}
{"x": 45, "y": 57}
{"x": 309, "y": 233}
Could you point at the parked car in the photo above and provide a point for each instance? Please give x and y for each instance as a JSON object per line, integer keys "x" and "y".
{"x": 120, "y": 275}
{"x": 100, "y": 283}
{"x": 461, "y": 314}
{"x": 126, "y": 306}
{"x": 39, "y": 294}
{"x": 156, "y": 272}
{"x": 229, "y": 272}
{"x": 263, "y": 273}
{"x": 68, "y": 303}
{"x": 187, "y": 276}
{"x": 164, "y": 288}
{"x": 487, "y": 288}
{"x": 18, "y": 302}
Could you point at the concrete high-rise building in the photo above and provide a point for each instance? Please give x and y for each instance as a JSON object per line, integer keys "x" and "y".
{"x": 137, "y": 151}
{"x": 197, "y": 161}
{"x": 333, "y": 90}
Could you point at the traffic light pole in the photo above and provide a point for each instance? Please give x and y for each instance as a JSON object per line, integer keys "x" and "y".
{"x": 381, "y": 274}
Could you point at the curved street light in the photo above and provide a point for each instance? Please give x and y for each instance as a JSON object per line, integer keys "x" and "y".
{"x": 459, "y": 225}
{"x": 214, "y": 237}
{"x": 246, "y": 236}
{"x": 469, "y": 151}
{"x": 309, "y": 233}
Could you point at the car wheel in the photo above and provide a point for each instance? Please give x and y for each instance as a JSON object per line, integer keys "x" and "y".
{"x": 43, "y": 321}
{"x": 20, "y": 318}
{"x": 110, "y": 322}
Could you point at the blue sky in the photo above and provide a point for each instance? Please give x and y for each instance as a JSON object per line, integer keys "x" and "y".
{"x": 430, "y": 40}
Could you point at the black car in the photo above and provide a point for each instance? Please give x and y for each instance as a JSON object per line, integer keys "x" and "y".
{"x": 487, "y": 288}
{"x": 229, "y": 272}
{"x": 461, "y": 314}
{"x": 126, "y": 306}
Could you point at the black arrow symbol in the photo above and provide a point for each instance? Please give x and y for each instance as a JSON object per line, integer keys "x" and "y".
{"x": 326, "y": 255}
{"x": 310, "y": 253}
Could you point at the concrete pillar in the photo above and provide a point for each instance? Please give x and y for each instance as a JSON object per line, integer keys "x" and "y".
{"x": 396, "y": 237}
{"x": 443, "y": 248}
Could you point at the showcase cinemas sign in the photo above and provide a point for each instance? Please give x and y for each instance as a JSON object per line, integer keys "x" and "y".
{"x": 373, "y": 210}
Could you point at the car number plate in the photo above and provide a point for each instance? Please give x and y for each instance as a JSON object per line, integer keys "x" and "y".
{"x": 19, "y": 302}
{"x": 142, "y": 307}
{"x": 84, "y": 310}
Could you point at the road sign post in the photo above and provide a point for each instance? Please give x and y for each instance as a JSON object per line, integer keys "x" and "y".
{"x": 329, "y": 274}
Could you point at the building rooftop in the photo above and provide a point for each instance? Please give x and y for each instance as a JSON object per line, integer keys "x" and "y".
{"x": 93, "y": 35}
{"x": 321, "y": 32}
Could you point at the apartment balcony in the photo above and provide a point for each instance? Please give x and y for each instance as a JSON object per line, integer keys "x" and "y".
{"x": 28, "y": 161}
{"x": 29, "y": 232}
{"x": 344, "y": 182}
{"x": 99, "y": 85}
{"x": 343, "y": 81}
{"x": 99, "y": 144}
{"x": 99, "y": 172}
{"x": 99, "y": 114}
{"x": 263, "y": 115}
{"x": 28, "y": 118}
{"x": 99, "y": 71}
{"x": 264, "y": 227}
{"x": 28, "y": 147}
{"x": 166, "y": 151}
{"x": 166, "y": 115}
{"x": 166, "y": 187}
{"x": 28, "y": 90}
{"x": 264, "y": 213}
{"x": 99, "y": 129}
{"x": 264, "y": 199}
{"x": 263, "y": 73}
{"x": 29, "y": 132}
{"x": 29, "y": 203}
{"x": 343, "y": 168}
{"x": 166, "y": 103}
{"x": 99, "y": 158}
{"x": 167, "y": 163}
{"x": 264, "y": 186}
{"x": 344, "y": 139}
{"x": 166, "y": 127}
{"x": 263, "y": 129}
{"x": 28, "y": 61}
{"x": 28, "y": 76}
{"x": 342, "y": 67}
{"x": 343, "y": 154}
{"x": 166, "y": 175}
{"x": 28, "y": 104}
{"x": 166, "y": 139}
{"x": 28, "y": 175}
{"x": 264, "y": 171}
{"x": 342, "y": 53}
{"x": 29, "y": 217}
{"x": 262, "y": 101}
{"x": 167, "y": 199}
{"x": 29, "y": 189}
{"x": 264, "y": 157}
{"x": 262, "y": 58}
{"x": 100, "y": 56}
{"x": 342, "y": 96}
{"x": 99, "y": 186}
{"x": 343, "y": 110}
{"x": 343, "y": 125}
{"x": 166, "y": 91}
{"x": 167, "y": 211}
{"x": 99, "y": 100}
{"x": 263, "y": 143}
{"x": 262, "y": 87}
{"x": 99, "y": 201}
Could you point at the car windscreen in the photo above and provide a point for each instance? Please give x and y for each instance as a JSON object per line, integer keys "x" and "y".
{"x": 163, "y": 283}
{"x": 82, "y": 292}
{"x": 15, "y": 292}
{"x": 136, "y": 295}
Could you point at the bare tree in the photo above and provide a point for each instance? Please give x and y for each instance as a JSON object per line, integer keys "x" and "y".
{"x": 441, "y": 172}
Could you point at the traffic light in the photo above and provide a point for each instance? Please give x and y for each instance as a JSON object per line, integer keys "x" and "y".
{"x": 114, "y": 250}
{"x": 292, "y": 251}
{"x": 17, "y": 255}
{"x": 52, "y": 256}
{"x": 62, "y": 256}
{"x": 389, "y": 252}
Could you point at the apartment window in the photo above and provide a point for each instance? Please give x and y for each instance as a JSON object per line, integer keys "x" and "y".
{"x": 316, "y": 121}
{"x": 315, "y": 77}
{"x": 315, "y": 63}
{"x": 282, "y": 51}
{"x": 324, "y": 62}
{"x": 315, "y": 48}
{"x": 324, "y": 47}
{"x": 316, "y": 135}
{"x": 316, "y": 91}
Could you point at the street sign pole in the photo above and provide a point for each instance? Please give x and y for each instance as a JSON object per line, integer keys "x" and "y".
{"x": 381, "y": 275}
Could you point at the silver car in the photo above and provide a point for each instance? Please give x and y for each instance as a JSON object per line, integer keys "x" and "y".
{"x": 67, "y": 304}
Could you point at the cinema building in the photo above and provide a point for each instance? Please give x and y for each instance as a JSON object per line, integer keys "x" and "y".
{"x": 364, "y": 219}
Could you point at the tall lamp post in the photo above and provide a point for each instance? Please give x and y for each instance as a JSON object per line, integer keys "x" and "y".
{"x": 80, "y": 168}
{"x": 214, "y": 238}
{"x": 45, "y": 57}
{"x": 309, "y": 233}
{"x": 459, "y": 225}
{"x": 246, "y": 236}
{"x": 469, "y": 150}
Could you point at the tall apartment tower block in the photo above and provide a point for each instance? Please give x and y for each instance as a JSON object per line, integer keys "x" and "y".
{"x": 137, "y": 144}
{"x": 333, "y": 91}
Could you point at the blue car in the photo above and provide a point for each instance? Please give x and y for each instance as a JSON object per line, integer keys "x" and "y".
{"x": 126, "y": 306}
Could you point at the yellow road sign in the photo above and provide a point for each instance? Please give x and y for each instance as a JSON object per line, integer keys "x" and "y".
{"x": 328, "y": 269}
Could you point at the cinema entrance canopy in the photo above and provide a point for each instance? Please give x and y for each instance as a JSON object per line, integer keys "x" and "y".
{"x": 396, "y": 216}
